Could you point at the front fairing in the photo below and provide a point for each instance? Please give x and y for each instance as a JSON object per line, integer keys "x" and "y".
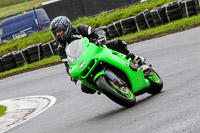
{"x": 89, "y": 59}
{"x": 81, "y": 65}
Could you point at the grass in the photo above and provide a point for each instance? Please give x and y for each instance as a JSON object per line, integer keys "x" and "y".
{"x": 106, "y": 18}
{"x": 19, "y": 7}
{"x": 2, "y": 110}
{"x": 4, "y": 3}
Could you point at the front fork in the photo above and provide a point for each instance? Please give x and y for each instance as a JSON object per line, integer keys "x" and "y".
{"x": 109, "y": 74}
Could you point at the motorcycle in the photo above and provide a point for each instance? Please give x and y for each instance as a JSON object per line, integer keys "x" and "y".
{"x": 109, "y": 72}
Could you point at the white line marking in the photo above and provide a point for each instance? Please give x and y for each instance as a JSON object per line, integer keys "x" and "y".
{"x": 51, "y": 102}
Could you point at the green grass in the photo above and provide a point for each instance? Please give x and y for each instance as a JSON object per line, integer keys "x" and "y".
{"x": 106, "y": 18}
{"x": 5, "y": 3}
{"x": 19, "y": 7}
{"x": 2, "y": 110}
{"x": 33, "y": 66}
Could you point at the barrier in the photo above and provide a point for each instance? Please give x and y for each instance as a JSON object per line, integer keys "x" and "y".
{"x": 146, "y": 19}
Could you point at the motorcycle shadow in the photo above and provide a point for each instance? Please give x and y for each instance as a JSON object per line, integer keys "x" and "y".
{"x": 121, "y": 109}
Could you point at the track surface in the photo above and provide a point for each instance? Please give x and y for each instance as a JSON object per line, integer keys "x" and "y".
{"x": 176, "y": 58}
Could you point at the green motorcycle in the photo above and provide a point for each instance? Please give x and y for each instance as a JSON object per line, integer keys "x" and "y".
{"x": 109, "y": 72}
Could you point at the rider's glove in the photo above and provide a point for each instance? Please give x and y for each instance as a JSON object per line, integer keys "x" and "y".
{"x": 101, "y": 40}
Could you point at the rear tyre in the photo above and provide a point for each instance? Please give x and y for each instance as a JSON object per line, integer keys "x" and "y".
{"x": 120, "y": 95}
{"x": 156, "y": 83}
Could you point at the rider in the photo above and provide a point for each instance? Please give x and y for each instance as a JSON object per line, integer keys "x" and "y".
{"x": 64, "y": 33}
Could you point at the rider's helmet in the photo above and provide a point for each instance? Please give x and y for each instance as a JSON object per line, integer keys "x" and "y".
{"x": 61, "y": 23}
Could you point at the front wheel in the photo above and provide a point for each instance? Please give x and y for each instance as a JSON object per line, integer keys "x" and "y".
{"x": 121, "y": 95}
{"x": 156, "y": 83}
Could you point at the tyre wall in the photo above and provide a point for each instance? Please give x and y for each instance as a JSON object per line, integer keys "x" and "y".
{"x": 28, "y": 55}
{"x": 144, "y": 20}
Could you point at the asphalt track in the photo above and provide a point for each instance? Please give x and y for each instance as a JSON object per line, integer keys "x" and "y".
{"x": 175, "y": 110}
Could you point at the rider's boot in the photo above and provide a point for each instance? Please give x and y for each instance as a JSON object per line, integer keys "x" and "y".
{"x": 136, "y": 59}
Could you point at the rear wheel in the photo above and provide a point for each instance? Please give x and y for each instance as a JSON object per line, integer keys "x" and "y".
{"x": 121, "y": 95}
{"x": 156, "y": 83}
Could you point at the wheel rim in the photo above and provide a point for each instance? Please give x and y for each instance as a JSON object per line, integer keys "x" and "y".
{"x": 154, "y": 78}
{"x": 123, "y": 91}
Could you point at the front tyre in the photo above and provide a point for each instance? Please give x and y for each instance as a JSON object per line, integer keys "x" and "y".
{"x": 156, "y": 83}
{"x": 121, "y": 95}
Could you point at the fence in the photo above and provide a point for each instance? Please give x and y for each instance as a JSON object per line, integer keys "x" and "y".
{"x": 76, "y": 8}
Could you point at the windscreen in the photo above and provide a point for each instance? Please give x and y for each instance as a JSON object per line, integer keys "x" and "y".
{"x": 74, "y": 50}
